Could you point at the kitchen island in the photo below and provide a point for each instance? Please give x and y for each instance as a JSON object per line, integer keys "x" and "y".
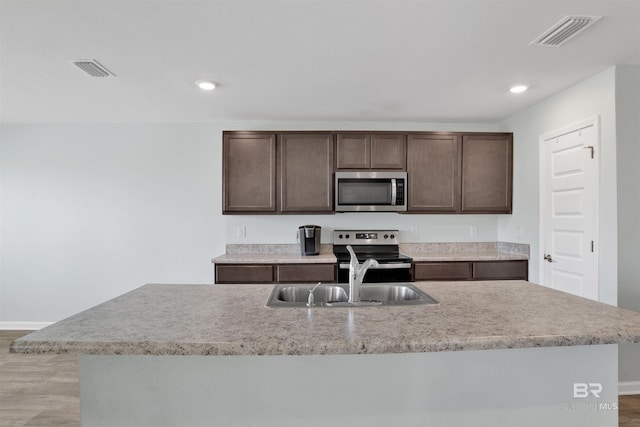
{"x": 491, "y": 353}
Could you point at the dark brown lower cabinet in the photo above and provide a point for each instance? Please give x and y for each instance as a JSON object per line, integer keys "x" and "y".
{"x": 327, "y": 273}
{"x": 443, "y": 271}
{"x": 472, "y": 270}
{"x": 235, "y": 273}
{"x": 501, "y": 270}
{"x": 270, "y": 273}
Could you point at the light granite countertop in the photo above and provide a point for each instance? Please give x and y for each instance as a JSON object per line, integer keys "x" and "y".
{"x": 274, "y": 254}
{"x": 290, "y": 254}
{"x": 466, "y": 251}
{"x": 233, "y": 320}
{"x": 465, "y": 256}
{"x": 257, "y": 258}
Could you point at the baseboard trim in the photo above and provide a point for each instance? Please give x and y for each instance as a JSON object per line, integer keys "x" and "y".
{"x": 23, "y": 326}
{"x": 629, "y": 387}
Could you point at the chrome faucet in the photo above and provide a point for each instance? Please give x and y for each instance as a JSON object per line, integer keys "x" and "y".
{"x": 356, "y": 275}
{"x": 311, "y": 300}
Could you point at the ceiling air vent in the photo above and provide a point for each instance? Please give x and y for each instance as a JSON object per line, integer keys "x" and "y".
{"x": 566, "y": 28}
{"x": 92, "y": 67}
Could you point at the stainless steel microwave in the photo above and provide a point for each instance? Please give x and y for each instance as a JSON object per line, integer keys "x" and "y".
{"x": 371, "y": 191}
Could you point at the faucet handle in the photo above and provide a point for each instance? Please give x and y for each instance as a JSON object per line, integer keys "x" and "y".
{"x": 353, "y": 263}
{"x": 311, "y": 299}
{"x": 352, "y": 253}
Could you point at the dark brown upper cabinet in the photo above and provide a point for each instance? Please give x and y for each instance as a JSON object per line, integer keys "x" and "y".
{"x": 292, "y": 172}
{"x": 370, "y": 151}
{"x": 306, "y": 172}
{"x": 249, "y": 172}
{"x": 433, "y": 170}
{"x": 487, "y": 173}
{"x": 278, "y": 173}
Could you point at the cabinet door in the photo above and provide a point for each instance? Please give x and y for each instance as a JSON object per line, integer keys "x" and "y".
{"x": 487, "y": 172}
{"x": 443, "y": 271}
{"x": 353, "y": 151}
{"x": 249, "y": 172}
{"x": 233, "y": 273}
{"x": 371, "y": 151}
{"x": 288, "y": 273}
{"x": 388, "y": 151}
{"x": 501, "y": 270}
{"x": 306, "y": 177}
{"x": 433, "y": 167}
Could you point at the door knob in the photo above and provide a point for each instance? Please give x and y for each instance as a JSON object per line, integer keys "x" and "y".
{"x": 548, "y": 258}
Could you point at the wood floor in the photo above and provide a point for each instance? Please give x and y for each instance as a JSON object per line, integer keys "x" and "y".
{"x": 42, "y": 390}
{"x": 37, "y": 390}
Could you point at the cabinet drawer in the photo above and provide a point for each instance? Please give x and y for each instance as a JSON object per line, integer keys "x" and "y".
{"x": 244, "y": 273}
{"x": 443, "y": 271}
{"x": 497, "y": 270}
{"x": 306, "y": 273}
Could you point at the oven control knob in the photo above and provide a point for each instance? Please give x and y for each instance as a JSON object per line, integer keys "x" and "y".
{"x": 346, "y": 236}
{"x": 339, "y": 236}
{"x": 393, "y": 236}
{"x": 386, "y": 236}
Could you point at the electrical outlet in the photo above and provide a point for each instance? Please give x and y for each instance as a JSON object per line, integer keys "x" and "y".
{"x": 242, "y": 231}
{"x": 520, "y": 232}
{"x": 473, "y": 231}
{"x": 414, "y": 230}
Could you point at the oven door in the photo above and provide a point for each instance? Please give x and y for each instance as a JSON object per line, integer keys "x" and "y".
{"x": 383, "y": 273}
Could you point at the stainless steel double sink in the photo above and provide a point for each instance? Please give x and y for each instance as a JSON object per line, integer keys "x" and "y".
{"x": 337, "y": 295}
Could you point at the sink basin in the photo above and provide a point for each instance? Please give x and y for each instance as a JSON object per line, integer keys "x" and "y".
{"x": 300, "y": 294}
{"x": 372, "y": 294}
{"x": 394, "y": 293}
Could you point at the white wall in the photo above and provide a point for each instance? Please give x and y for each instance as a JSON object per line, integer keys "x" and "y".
{"x": 92, "y": 211}
{"x": 88, "y": 212}
{"x": 594, "y": 96}
{"x": 628, "y": 135}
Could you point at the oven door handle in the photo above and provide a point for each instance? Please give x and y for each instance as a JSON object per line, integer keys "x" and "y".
{"x": 390, "y": 266}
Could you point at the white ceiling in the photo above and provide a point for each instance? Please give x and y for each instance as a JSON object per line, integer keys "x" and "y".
{"x": 433, "y": 61}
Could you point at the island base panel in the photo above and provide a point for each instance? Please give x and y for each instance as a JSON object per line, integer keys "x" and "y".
{"x": 524, "y": 387}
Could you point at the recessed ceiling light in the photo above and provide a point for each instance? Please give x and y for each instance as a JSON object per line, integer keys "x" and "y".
{"x": 206, "y": 84}
{"x": 518, "y": 88}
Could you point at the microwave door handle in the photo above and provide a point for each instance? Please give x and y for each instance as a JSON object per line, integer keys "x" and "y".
{"x": 394, "y": 191}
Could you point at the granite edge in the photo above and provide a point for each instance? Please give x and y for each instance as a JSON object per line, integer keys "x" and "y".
{"x": 22, "y": 346}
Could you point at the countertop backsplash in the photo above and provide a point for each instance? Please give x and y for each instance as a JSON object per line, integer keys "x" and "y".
{"x": 279, "y": 249}
{"x": 290, "y": 253}
{"x": 467, "y": 247}
{"x": 459, "y": 247}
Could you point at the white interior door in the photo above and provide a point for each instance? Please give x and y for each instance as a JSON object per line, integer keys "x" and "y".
{"x": 569, "y": 209}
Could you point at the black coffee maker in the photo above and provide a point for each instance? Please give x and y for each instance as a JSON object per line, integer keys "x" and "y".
{"x": 309, "y": 237}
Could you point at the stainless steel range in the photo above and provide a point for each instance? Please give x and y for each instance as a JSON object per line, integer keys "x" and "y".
{"x": 381, "y": 245}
